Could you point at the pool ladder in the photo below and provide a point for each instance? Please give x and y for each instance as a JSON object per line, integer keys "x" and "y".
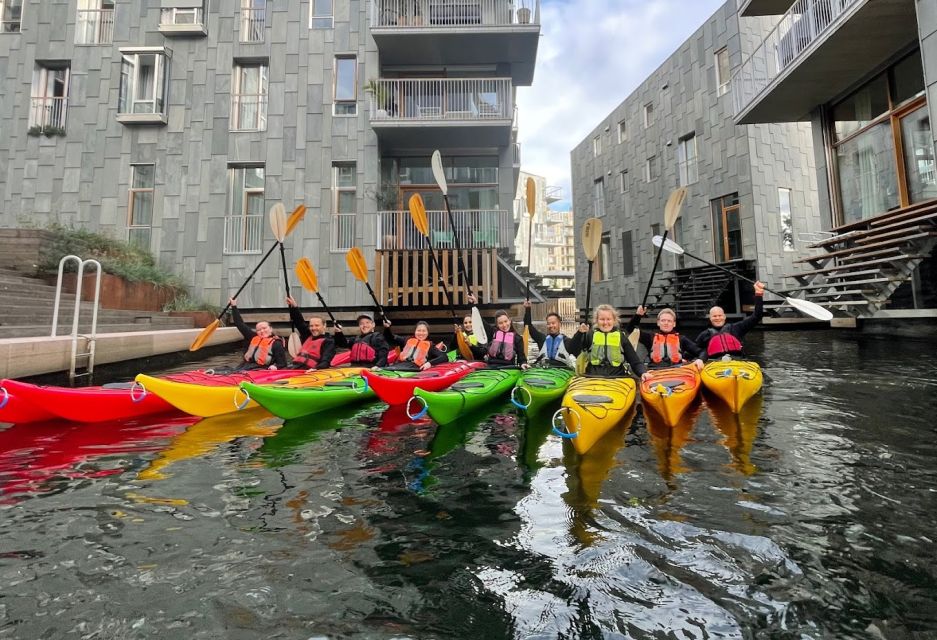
{"x": 90, "y": 338}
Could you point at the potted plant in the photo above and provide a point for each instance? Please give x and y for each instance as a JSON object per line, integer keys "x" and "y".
{"x": 523, "y": 14}
{"x": 378, "y": 95}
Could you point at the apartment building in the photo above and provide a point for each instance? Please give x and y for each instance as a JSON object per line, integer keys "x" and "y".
{"x": 548, "y": 235}
{"x": 177, "y": 124}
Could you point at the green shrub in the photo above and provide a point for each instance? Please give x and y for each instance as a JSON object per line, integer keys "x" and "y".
{"x": 186, "y": 303}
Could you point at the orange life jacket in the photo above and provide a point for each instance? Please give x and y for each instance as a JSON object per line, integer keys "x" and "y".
{"x": 416, "y": 351}
{"x": 311, "y": 352}
{"x": 259, "y": 350}
{"x": 666, "y": 345}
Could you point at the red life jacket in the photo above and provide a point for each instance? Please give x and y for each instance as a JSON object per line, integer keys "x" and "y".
{"x": 666, "y": 345}
{"x": 311, "y": 352}
{"x": 723, "y": 343}
{"x": 502, "y": 347}
{"x": 416, "y": 351}
{"x": 362, "y": 351}
{"x": 259, "y": 350}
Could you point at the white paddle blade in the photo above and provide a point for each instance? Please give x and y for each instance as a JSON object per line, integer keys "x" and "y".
{"x": 478, "y": 326}
{"x": 810, "y": 309}
{"x": 278, "y": 221}
{"x": 669, "y": 244}
{"x": 294, "y": 344}
{"x": 439, "y": 173}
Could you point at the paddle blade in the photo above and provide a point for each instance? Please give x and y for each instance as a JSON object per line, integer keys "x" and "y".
{"x": 591, "y": 238}
{"x": 464, "y": 349}
{"x": 418, "y": 214}
{"x": 526, "y": 338}
{"x": 278, "y": 221}
{"x": 810, "y": 309}
{"x": 295, "y": 218}
{"x": 531, "y": 197}
{"x": 307, "y": 275}
{"x": 203, "y": 337}
{"x": 439, "y": 173}
{"x": 633, "y": 338}
{"x": 673, "y": 207}
{"x": 294, "y": 344}
{"x": 669, "y": 245}
{"x": 357, "y": 264}
{"x": 478, "y": 326}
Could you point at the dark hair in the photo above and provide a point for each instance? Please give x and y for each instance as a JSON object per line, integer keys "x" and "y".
{"x": 421, "y": 323}
{"x": 501, "y": 312}
{"x": 558, "y": 316}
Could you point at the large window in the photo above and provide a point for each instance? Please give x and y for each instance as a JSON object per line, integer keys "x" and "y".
{"x": 622, "y": 131}
{"x": 11, "y": 13}
{"x": 344, "y": 205}
{"x": 95, "y": 22}
{"x": 49, "y": 100}
{"x": 345, "y": 86}
{"x": 623, "y": 182}
{"x": 321, "y": 16}
{"x": 883, "y": 144}
{"x": 140, "y": 209}
{"x": 651, "y": 169}
{"x": 249, "y": 97}
{"x": 648, "y": 114}
{"x": 253, "y": 20}
{"x": 723, "y": 75}
{"x": 686, "y": 160}
{"x": 786, "y": 219}
{"x": 243, "y": 223}
{"x": 182, "y": 13}
{"x": 598, "y": 197}
{"x": 604, "y": 262}
{"x": 627, "y": 253}
{"x": 144, "y": 82}
{"x": 727, "y": 228}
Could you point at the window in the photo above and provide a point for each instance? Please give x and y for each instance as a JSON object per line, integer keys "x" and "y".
{"x": 95, "y": 23}
{"x": 345, "y": 86}
{"x": 627, "y": 253}
{"x": 686, "y": 160}
{"x": 597, "y": 146}
{"x": 604, "y": 263}
{"x": 598, "y": 196}
{"x": 249, "y": 97}
{"x": 321, "y": 17}
{"x": 651, "y": 169}
{"x": 648, "y": 114}
{"x": 344, "y": 205}
{"x": 49, "y": 100}
{"x": 622, "y": 131}
{"x": 786, "y": 221}
{"x": 144, "y": 82}
{"x": 243, "y": 223}
{"x": 727, "y": 228}
{"x": 179, "y": 17}
{"x": 723, "y": 77}
{"x": 253, "y": 20}
{"x": 11, "y": 13}
{"x": 140, "y": 210}
{"x": 623, "y": 181}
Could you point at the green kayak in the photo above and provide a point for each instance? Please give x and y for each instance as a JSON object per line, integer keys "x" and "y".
{"x": 286, "y": 401}
{"x": 539, "y": 386}
{"x": 471, "y": 392}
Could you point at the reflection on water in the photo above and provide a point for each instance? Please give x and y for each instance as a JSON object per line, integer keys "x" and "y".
{"x": 810, "y": 514}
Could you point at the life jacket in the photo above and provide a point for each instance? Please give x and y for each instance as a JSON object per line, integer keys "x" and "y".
{"x": 259, "y": 350}
{"x": 554, "y": 348}
{"x": 362, "y": 351}
{"x": 502, "y": 347}
{"x": 721, "y": 342}
{"x": 666, "y": 345}
{"x": 415, "y": 351}
{"x": 607, "y": 349}
{"x": 471, "y": 338}
{"x": 311, "y": 352}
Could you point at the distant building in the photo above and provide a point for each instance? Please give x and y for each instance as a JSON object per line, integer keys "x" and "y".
{"x": 552, "y": 256}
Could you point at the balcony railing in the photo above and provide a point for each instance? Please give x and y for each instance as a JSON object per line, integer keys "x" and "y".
{"x": 456, "y": 14}
{"x": 804, "y": 24}
{"x": 94, "y": 26}
{"x": 248, "y": 112}
{"x": 243, "y": 233}
{"x": 343, "y": 231}
{"x": 478, "y": 229}
{"x": 47, "y": 112}
{"x": 442, "y": 99}
{"x": 253, "y": 22}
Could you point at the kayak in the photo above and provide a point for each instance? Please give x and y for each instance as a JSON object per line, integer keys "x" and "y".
{"x": 738, "y": 429}
{"x": 668, "y": 441}
{"x": 294, "y": 400}
{"x": 669, "y": 392}
{"x": 734, "y": 381}
{"x": 219, "y": 394}
{"x": 471, "y": 392}
{"x": 15, "y": 410}
{"x": 539, "y": 386}
{"x": 396, "y": 387}
{"x": 591, "y": 408}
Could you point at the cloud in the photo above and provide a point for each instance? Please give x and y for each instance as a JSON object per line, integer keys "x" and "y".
{"x": 592, "y": 55}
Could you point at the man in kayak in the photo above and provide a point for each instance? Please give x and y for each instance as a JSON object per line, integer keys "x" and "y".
{"x": 417, "y": 353}
{"x": 725, "y": 339}
{"x": 318, "y": 346}
{"x": 369, "y": 349}
{"x": 505, "y": 346}
{"x": 610, "y": 354}
{"x": 665, "y": 347}
{"x": 556, "y": 350}
{"x": 265, "y": 350}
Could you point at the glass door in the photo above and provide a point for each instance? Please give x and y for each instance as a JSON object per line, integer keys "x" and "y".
{"x": 918, "y": 147}
{"x": 727, "y": 228}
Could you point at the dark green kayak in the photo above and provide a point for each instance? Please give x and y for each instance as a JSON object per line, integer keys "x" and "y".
{"x": 470, "y": 393}
{"x": 539, "y": 386}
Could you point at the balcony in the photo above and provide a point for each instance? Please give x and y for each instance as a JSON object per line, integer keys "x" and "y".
{"x": 253, "y": 23}
{"x": 48, "y": 112}
{"x": 478, "y": 229}
{"x": 94, "y": 26}
{"x": 178, "y": 22}
{"x": 454, "y": 32}
{"x": 752, "y": 8}
{"x": 443, "y": 112}
{"x": 818, "y": 49}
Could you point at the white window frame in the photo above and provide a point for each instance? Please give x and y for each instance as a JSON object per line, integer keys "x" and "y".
{"x": 160, "y": 93}
{"x": 789, "y": 223}
{"x": 350, "y": 102}
{"x": 649, "y": 175}
{"x": 605, "y": 257}
{"x": 253, "y": 21}
{"x": 43, "y": 108}
{"x": 598, "y": 197}
{"x": 648, "y": 115}
{"x": 622, "y": 131}
{"x": 722, "y": 84}
{"x": 321, "y": 21}
{"x": 11, "y": 26}
{"x": 238, "y": 97}
{"x": 596, "y": 146}
{"x": 623, "y": 182}
{"x": 132, "y": 191}
{"x": 343, "y": 218}
{"x": 94, "y": 24}
{"x": 252, "y": 224}
{"x": 688, "y": 163}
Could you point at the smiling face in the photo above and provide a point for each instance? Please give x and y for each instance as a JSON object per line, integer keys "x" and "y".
{"x": 553, "y": 324}
{"x": 666, "y": 321}
{"x": 717, "y": 317}
{"x": 503, "y": 322}
{"x": 605, "y": 320}
{"x": 421, "y": 332}
{"x": 365, "y": 326}
{"x": 316, "y": 326}
{"x": 263, "y": 329}
{"x": 467, "y": 324}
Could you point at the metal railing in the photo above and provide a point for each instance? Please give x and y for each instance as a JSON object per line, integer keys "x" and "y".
{"x": 477, "y": 228}
{"x": 243, "y": 233}
{"x": 92, "y": 337}
{"x": 253, "y": 22}
{"x": 248, "y": 112}
{"x": 442, "y": 99}
{"x": 94, "y": 26}
{"x": 457, "y": 14}
{"x": 343, "y": 231}
{"x": 804, "y": 24}
{"x": 47, "y": 112}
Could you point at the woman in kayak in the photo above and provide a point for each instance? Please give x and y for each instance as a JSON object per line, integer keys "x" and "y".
{"x": 610, "y": 354}
{"x": 665, "y": 347}
{"x": 416, "y": 352}
{"x": 725, "y": 339}
{"x": 265, "y": 350}
{"x": 505, "y": 346}
{"x": 556, "y": 350}
{"x": 468, "y": 333}
{"x": 369, "y": 349}
{"x": 318, "y": 346}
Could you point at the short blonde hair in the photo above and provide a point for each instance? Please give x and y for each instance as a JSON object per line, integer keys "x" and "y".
{"x": 604, "y": 307}
{"x": 667, "y": 311}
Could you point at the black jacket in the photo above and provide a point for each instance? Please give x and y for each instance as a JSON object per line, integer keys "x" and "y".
{"x": 582, "y": 342}
{"x": 277, "y": 352}
{"x": 737, "y": 329}
{"x": 374, "y": 339}
{"x": 327, "y": 351}
{"x": 540, "y": 339}
{"x": 434, "y": 356}
{"x": 688, "y": 348}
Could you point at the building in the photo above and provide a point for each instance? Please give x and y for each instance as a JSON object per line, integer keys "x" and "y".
{"x": 179, "y": 123}
{"x": 552, "y": 254}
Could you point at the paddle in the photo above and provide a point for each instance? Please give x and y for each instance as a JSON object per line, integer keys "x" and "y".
{"x": 278, "y": 224}
{"x": 310, "y": 281}
{"x": 531, "y": 193}
{"x": 359, "y": 269}
{"x": 440, "y": 175}
{"x": 206, "y": 333}
{"x": 804, "y": 306}
{"x": 671, "y": 213}
{"x": 591, "y": 241}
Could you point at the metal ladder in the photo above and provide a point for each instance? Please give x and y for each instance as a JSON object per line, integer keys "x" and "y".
{"x": 91, "y": 338}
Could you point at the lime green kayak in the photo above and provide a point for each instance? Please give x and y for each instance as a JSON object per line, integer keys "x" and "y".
{"x": 470, "y": 393}
{"x": 539, "y": 386}
{"x": 289, "y": 401}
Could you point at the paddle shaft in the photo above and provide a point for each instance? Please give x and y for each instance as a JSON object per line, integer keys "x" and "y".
{"x": 650, "y": 280}
{"x": 530, "y": 238}
{"x": 730, "y": 272}
{"x": 286, "y": 279}
{"x": 589, "y": 292}
{"x": 326, "y": 307}
{"x": 374, "y": 297}
{"x": 259, "y": 264}
{"x": 458, "y": 245}
{"x": 438, "y": 268}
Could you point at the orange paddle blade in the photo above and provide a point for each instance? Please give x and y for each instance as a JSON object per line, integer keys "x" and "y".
{"x": 418, "y": 214}
{"x": 295, "y": 218}
{"x": 203, "y": 337}
{"x": 307, "y": 275}
{"x": 531, "y": 197}
{"x": 357, "y": 264}
{"x": 463, "y": 346}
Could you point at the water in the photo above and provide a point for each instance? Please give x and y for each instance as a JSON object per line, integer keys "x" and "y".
{"x": 812, "y": 515}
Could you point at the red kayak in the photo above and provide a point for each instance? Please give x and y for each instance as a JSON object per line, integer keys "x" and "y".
{"x": 16, "y": 410}
{"x": 396, "y": 387}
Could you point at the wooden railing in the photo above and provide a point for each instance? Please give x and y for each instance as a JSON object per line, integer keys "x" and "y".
{"x": 408, "y": 278}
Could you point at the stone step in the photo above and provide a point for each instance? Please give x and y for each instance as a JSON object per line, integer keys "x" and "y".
{"x": 45, "y": 319}
{"x": 18, "y": 306}
{"x": 28, "y": 331}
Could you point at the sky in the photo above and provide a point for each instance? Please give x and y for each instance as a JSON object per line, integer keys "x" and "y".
{"x": 592, "y": 55}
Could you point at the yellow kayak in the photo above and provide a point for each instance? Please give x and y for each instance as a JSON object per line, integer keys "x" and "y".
{"x": 670, "y": 392}
{"x": 669, "y": 440}
{"x": 738, "y": 429}
{"x": 591, "y": 408}
{"x": 734, "y": 381}
{"x": 206, "y": 401}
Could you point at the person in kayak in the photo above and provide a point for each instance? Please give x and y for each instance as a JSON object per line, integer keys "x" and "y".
{"x": 265, "y": 350}
{"x": 556, "y": 350}
{"x": 610, "y": 354}
{"x": 318, "y": 346}
{"x": 505, "y": 346}
{"x": 417, "y": 352}
{"x": 665, "y": 347}
{"x": 725, "y": 339}
{"x": 369, "y": 349}
{"x": 468, "y": 333}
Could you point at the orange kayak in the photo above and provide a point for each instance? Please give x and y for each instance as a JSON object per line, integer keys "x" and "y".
{"x": 669, "y": 392}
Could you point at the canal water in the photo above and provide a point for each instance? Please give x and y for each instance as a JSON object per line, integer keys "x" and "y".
{"x": 810, "y": 515}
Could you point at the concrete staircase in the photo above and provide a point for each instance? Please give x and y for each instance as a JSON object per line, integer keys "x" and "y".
{"x": 692, "y": 291}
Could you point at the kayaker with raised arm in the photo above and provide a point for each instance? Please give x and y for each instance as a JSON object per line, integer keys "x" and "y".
{"x": 725, "y": 339}
{"x": 665, "y": 347}
{"x": 610, "y": 353}
{"x": 265, "y": 350}
{"x": 416, "y": 352}
{"x": 318, "y": 346}
{"x": 369, "y": 349}
{"x": 505, "y": 346}
{"x": 556, "y": 349}
{"x": 467, "y": 330}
